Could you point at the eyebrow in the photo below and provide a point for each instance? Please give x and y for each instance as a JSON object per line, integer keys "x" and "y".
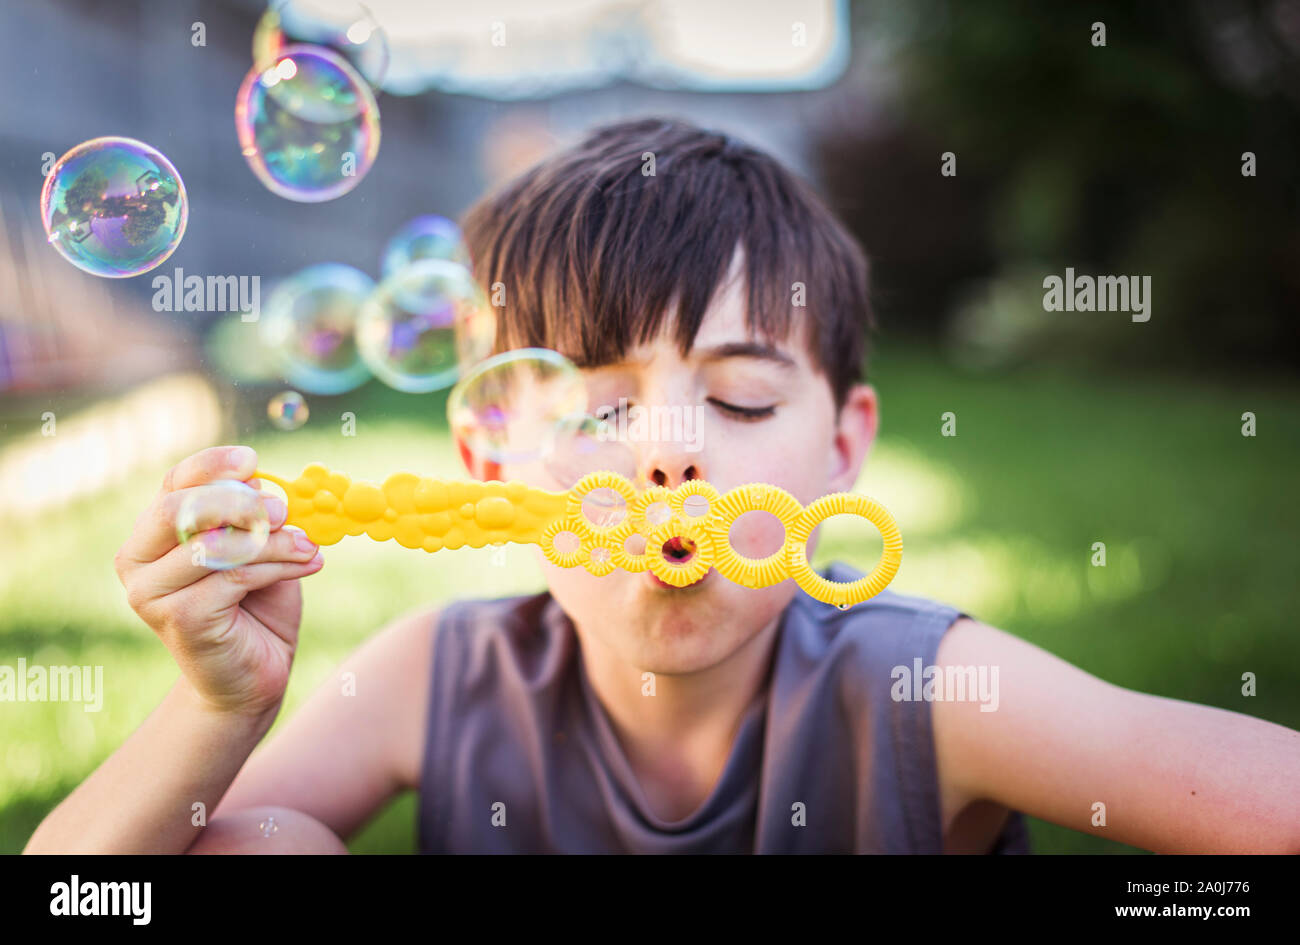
{"x": 732, "y": 349}
{"x": 748, "y": 349}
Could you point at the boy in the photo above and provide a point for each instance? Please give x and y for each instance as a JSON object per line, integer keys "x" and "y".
{"x": 773, "y": 725}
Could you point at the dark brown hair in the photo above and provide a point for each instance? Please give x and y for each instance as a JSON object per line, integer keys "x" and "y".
{"x": 593, "y": 251}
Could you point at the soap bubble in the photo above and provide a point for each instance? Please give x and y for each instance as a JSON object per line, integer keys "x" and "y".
{"x": 421, "y": 324}
{"x": 580, "y": 444}
{"x": 429, "y": 237}
{"x": 504, "y": 411}
{"x": 288, "y": 410}
{"x": 308, "y": 124}
{"x": 309, "y": 323}
{"x": 344, "y": 26}
{"x": 114, "y": 207}
{"x": 234, "y": 347}
{"x": 223, "y": 524}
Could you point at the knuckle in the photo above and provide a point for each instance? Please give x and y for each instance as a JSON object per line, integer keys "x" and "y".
{"x": 239, "y": 577}
{"x": 136, "y": 596}
{"x": 121, "y": 565}
{"x": 164, "y": 514}
{"x": 168, "y": 479}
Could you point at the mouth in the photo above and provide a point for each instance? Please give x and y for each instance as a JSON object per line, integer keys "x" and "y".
{"x": 678, "y": 551}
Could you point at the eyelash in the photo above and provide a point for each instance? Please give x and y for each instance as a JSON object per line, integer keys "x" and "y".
{"x": 746, "y": 414}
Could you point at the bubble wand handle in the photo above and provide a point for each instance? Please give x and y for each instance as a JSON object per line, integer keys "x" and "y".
{"x": 433, "y": 514}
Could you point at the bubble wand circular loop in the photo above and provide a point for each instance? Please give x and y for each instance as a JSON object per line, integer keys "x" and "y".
{"x": 434, "y": 514}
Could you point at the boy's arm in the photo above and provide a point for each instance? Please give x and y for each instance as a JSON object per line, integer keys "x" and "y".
{"x": 189, "y": 752}
{"x": 356, "y": 742}
{"x": 1176, "y": 777}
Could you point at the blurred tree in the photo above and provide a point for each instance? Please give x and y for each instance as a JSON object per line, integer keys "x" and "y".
{"x": 1120, "y": 159}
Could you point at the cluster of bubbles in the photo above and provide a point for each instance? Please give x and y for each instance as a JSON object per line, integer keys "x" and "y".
{"x": 114, "y": 207}
{"x": 421, "y": 324}
{"x": 309, "y": 326}
{"x": 329, "y": 328}
{"x": 308, "y": 125}
{"x": 306, "y": 115}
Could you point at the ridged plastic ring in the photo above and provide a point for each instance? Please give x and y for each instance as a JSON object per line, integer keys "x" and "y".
{"x": 600, "y": 568}
{"x": 636, "y": 511}
{"x": 590, "y": 483}
{"x": 731, "y": 564}
{"x": 691, "y": 487}
{"x": 564, "y": 559}
{"x": 619, "y": 554}
{"x": 679, "y": 575}
{"x": 843, "y": 594}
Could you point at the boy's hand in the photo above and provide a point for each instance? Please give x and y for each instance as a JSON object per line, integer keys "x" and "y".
{"x": 233, "y": 633}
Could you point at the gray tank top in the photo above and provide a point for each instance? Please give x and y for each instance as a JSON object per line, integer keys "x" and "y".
{"x": 520, "y": 756}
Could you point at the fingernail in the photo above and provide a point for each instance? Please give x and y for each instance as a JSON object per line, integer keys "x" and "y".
{"x": 303, "y": 543}
{"x": 238, "y": 457}
{"x": 277, "y": 512}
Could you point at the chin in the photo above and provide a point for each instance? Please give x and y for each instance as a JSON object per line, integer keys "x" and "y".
{"x": 669, "y": 630}
{"x": 677, "y": 657}
{"x": 691, "y": 630}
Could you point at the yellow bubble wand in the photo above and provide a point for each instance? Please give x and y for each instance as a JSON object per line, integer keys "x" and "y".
{"x": 433, "y": 514}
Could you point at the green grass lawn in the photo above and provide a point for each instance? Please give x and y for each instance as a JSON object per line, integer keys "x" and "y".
{"x": 1199, "y": 525}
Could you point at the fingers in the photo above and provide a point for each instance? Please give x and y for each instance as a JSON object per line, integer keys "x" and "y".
{"x": 218, "y": 462}
{"x": 222, "y": 590}
{"x": 154, "y": 534}
{"x": 177, "y": 568}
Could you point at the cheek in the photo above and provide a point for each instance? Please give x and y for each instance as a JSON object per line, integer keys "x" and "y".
{"x": 582, "y": 594}
{"x": 791, "y": 451}
{"x": 757, "y": 534}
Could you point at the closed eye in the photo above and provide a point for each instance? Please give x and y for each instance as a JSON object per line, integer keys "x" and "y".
{"x": 743, "y": 413}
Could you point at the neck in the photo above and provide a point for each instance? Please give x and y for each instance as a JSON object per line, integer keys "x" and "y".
{"x": 681, "y": 736}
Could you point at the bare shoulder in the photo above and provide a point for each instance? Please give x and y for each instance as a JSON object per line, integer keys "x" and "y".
{"x": 971, "y": 820}
{"x": 1028, "y": 724}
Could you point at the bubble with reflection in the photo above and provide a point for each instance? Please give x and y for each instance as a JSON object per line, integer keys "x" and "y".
{"x": 309, "y": 324}
{"x": 506, "y": 409}
{"x": 308, "y": 124}
{"x": 344, "y": 26}
{"x": 288, "y": 410}
{"x": 222, "y": 524}
{"x": 428, "y": 237}
{"x": 580, "y": 444}
{"x": 236, "y": 349}
{"x": 421, "y": 324}
{"x": 114, "y": 207}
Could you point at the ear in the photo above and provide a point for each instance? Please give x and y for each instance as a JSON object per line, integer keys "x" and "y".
{"x": 855, "y": 430}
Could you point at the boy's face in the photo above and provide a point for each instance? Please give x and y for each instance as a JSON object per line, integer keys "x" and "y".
{"x": 749, "y": 411}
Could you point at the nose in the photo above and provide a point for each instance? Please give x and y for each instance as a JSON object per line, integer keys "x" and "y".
{"x": 669, "y": 465}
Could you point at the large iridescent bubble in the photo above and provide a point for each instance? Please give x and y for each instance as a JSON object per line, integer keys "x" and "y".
{"x": 580, "y": 444}
{"x": 505, "y": 412}
{"x": 345, "y": 26}
{"x": 422, "y": 324}
{"x": 428, "y": 237}
{"x": 309, "y": 324}
{"x": 308, "y": 124}
{"x": 114, "y": 207}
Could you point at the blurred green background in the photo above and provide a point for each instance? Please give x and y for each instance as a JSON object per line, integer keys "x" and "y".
{"x": 1072, "y": 428}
